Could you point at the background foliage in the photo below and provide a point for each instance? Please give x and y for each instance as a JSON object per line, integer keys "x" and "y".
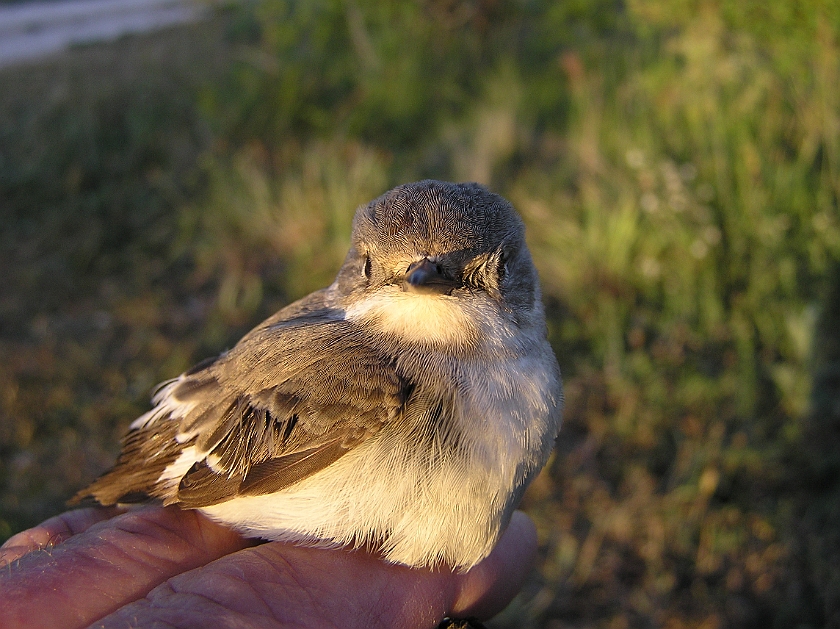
{"x": 678, "y": 166}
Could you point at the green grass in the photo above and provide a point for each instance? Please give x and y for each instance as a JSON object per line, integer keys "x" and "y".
{"x": 97, "y": 150}
{"x": 676, "y": 165}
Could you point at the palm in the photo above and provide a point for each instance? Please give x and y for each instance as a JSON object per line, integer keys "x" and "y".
{"x": 178, "y": 568}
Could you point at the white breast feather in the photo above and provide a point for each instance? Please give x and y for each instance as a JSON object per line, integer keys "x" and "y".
{"x": 420, "y": 515}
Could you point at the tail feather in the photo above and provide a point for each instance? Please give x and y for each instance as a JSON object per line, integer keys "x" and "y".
{"x": 146, "y": 452}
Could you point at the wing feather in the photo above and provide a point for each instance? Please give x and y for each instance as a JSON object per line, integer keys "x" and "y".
{"x": 291, "y": 398}
{"x": 281, "y": 472}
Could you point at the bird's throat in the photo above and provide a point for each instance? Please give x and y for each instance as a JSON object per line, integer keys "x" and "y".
{"x": 435, "y": 319}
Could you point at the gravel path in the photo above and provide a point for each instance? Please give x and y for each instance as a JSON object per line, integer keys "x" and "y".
{"x": 35, "y": 29}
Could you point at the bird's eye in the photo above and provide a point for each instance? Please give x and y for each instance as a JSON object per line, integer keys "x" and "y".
{"x": 366, "y": 267}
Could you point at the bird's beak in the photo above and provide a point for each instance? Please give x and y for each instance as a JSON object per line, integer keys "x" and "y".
{"x": 426, "y": 277}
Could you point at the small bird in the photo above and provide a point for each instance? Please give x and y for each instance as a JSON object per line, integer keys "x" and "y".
{"x": 404, "y": 408}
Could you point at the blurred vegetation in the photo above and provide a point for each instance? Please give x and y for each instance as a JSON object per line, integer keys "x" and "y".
{"x": 678, "y": 166}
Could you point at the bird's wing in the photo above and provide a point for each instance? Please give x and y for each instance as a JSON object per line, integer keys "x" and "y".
{"x": 291, "y": 398}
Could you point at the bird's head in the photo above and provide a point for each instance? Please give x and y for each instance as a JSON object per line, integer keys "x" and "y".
{"x": 437, "y": 263}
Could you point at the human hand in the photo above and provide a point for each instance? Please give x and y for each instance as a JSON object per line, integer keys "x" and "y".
{"x": 108, "y": 568}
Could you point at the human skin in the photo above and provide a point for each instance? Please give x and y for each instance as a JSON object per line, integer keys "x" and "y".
{"x": 165, "y": 567}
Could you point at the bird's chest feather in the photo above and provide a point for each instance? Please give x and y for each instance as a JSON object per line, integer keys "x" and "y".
{"x": 441, "y": 497}
{"x": 506, "y": 414}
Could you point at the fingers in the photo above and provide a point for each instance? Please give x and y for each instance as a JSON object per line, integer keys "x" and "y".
{"x": 112, "y": 566}
{"x": 108, "y": 565}
{"x": 53, "y": 532}
{"x": 280, "y": 585}
{"x": 491, "y": 585}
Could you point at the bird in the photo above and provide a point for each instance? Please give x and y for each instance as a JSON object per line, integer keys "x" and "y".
{"x": 404, "y": 408}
